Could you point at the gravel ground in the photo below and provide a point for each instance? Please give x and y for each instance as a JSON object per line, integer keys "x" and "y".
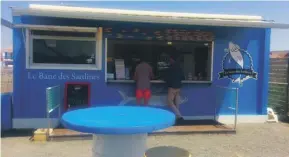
{"x": 251, "y": 140}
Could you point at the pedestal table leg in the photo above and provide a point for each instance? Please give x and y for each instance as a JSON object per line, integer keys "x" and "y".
{"x": 119, "y": 145}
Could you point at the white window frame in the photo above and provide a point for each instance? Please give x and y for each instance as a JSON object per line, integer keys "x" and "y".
{"x": 29, "y": 47}
{"x": 105, "y": 59}
{"x": 212, "y": 60}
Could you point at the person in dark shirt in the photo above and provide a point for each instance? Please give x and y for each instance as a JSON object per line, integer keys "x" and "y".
{"x": 174, "y": 77}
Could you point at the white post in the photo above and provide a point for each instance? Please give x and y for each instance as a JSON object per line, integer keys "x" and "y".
{"x": 119, "y": 145}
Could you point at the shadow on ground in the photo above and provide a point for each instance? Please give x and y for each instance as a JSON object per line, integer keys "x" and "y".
{"x": 17, "y": 133}
{"x": 197, "y": 122}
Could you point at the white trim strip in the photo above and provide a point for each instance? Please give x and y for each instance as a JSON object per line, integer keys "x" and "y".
{"x": 58, "y": 28}
{"x": 105, "y": 61}
{"x": 63, "y": 38}
{"x": 63, "y": 66}
{"x": 212, "y": 60}
{"x": 229, "y": 119}
{"x": 27, "y": 42}
{"x": 33, "y": 123}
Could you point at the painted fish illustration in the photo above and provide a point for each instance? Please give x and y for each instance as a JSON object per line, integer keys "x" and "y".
{"x": 236, "y": 54}
{"x": 155, "y": 100}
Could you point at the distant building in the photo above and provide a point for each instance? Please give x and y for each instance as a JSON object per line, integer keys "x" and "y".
{"x": 279, "y": 54}
{"x": 7, "y": 57}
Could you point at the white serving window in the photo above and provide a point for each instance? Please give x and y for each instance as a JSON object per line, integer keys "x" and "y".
{"x": 63, "y": 49}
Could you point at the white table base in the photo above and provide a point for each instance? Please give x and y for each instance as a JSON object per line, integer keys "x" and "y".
{"x": 119, "y": 145}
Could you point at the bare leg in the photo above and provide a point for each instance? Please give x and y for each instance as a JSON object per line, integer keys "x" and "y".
{"x": 138, "y": 101}
{"x": 171, "y": 102}
{"x": 146, "y": 101}
{"x": 176, "y": 111}
{"x": 177, "y": 99}
{"x": 147, "y": 95}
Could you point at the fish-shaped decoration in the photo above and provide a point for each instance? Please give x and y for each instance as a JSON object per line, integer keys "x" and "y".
{"x": 237, "y": 56}
{"x": 234, "y": 51}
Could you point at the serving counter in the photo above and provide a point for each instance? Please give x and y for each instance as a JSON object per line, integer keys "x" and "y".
{"x": 157, "y": 81}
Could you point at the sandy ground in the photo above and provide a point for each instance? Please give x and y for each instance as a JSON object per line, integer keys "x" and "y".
{"x": 251, "y": 140}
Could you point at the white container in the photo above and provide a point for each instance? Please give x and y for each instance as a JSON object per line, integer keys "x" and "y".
{"x": 119, "y": 145}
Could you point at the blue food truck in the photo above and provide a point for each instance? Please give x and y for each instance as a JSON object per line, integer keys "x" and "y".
{"x": 91, "y": 54}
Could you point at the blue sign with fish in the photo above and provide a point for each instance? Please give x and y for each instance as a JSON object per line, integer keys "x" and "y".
{"x": 237, "y": 65}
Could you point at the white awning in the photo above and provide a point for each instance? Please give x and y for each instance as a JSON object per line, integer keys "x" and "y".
{"x": 148, "y": 16}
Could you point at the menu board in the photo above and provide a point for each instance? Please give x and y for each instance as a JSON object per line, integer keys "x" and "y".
{"x": 119, "y": 69}
{"x": 162, "y": 66}
{"x": 186, "y": 35}
{"x": 163, "y": 62}
{"x": 162, "y": 34}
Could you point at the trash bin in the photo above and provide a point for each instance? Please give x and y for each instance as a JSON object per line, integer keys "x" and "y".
{"x": 167, "y": 151}
{"x": 6, "y": 109}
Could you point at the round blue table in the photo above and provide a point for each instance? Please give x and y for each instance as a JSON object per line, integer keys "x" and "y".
{"x": 118, "y": 131}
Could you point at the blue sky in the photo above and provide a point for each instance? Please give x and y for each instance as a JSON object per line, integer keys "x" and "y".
{"x": 277, "y": 11}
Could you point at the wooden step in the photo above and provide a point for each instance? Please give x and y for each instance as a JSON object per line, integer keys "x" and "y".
{"x": 66, "y": 134}
{"x": 183, "y": 127}
{"x": 196, "y": 129}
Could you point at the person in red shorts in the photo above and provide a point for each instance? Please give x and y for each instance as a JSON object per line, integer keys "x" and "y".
{"x": 143, "y": 75}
